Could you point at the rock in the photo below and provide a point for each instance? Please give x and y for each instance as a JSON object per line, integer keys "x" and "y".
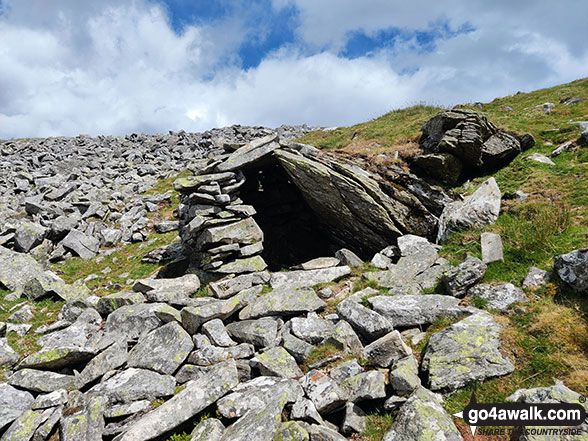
{"x": 355, "y": 420}
{"x": 194, "y": 316}
{"x": 192, "y": 182}
{"x": 421, "y": 417}
{"x": 345, "y": 370}
{"x": 228, "y": 287}
{"x": 24, "y": 427}
{"x": 291, "y": 431}
{"x": 41, "y": 381}
{"x": 24, "y": 314}
{"x": 304, "y": 409}
{"x": 381, "y": 261}
{"x": 260, "y": 333}
{"x": 368, "y": 323}
{"x": 183, "y": 286}
{"x": 163, "y": 227}
{"x": 283, "y": 301}
{"x": 325, "y": 393}
{"x": 491, "y": 248}
{"x": 536, "y": 277}
{"x": 111, "y": 236}
{"x": 348, "y": 258}
{"x": 28, "y": 235}
{"x": 8, "y": 356}
{"x": 209, "y": 355}
{"x": 58, "y": 357}
{"x": 112, "y": 358}
{"x": 387, "y": 350}
{"x": 572, "y": 268}
{"x": 249, "y": 153}
{"x": 258, "y": 425}
{"x": 243, "y": 232}
{"x": 247, "y": 265}
{"x": 81, "y": 244}
{"x": 195, "y": 397}
{"x": 163, "y": 350}
{"x": 370, "y": 385}
{"x": 312, "y": 329}
{"x": 442, "y": 167}
{"x": 132, "y": 321}
{"x": 305, "y": 279}
{"x": 210, "y": 429}
{"x": 537, "y": 157}
{"x": 318, "y": 263}
{"x": 344, "y": 338}
{"x": 499, "y": 296}
{"x": 479, "y": 209}
{"x": 298, "y": 348}
{"x": 110, "y": 303}
{"x": 324, "y": 433}
{"x": 48, "y": 284}
{"x": 46, "y": 429}
{"x": 122, "y": 410}
{"x": 217, "y": 333}
{"x": 134, "y": 384}
{"x": 13, "y": 403}
{"x": 87, "y": 424}
{"x": 278, "y": 362}
{"x": 465, "y": 352}
{"x": 404, "y": 376}
{"x": 467, "y": 274}
{"x": 256, "y": 394}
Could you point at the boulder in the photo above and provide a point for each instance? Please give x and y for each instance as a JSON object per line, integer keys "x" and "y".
{"x": 535, "y": 278}
{"x": 283, "y": 301}
{"x": 110, "y": 303}
{"x": 465, "y": 352}
{"x": 368, "y": 323}
{"x": 467, "y": 274}
{"x": 348, "y": 258}
{"x": 498, "y": 296}
{"x": 111, "y": 358}
{"x": 370, "y": 385}
{"x": 572, "y": 268}
{"x": 252, "y": 152}
{"x": 420, "y": 418}
{"x": 13, "y": 403}
{"x": 442, "y": 167}
{"x": 491, "y": 248}
{"x": 404, "y": 376}
{"x": 414, "y": 310}
{"x": 324, "y": 392}
{"x": 278, "y": 362}
{"x": 8, "y": 356}
{"x": 216, "y": 331}
{"x": 184, "y": 286}
{"x": 41, "y": 381}
{"x": 210, "y": 429}
{"x": 386, "y": 350}
{"x": 260, "y": 333}
{"x": 81, "y": 244}
{"x": 307, "y": 278}
{"x": 132, "y": 321}
{"x": 194, "y": 398}
{"x": 28, "y": 235}
{"x": 477, "y": 210}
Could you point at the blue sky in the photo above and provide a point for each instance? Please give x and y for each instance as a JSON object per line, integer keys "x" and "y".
{"x": 112, "y": 67}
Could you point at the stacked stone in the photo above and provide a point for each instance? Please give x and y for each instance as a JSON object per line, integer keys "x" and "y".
{"x": 218, "y": 231}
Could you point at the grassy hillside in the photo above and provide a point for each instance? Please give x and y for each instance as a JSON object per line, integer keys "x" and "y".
{"x": 548, "y": 338}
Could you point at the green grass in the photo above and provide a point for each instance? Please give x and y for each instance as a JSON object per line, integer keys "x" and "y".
{"x": 320, "y": 353}
{"x": 377, "y": 424}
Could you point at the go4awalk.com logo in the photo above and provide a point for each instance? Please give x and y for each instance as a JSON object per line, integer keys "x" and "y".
{"x": 550, "y": 419}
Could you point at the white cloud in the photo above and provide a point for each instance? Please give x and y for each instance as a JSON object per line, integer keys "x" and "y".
{"x": 109, "y": 67}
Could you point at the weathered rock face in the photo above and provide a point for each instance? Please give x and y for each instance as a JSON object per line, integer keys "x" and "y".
{"x": 460, "y": 139}
{"x": 572, "y": 268}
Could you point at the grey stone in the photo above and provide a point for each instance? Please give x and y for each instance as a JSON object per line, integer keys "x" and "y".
{"x": 324, "y": 392}
{"x": 304, "y": 409}
{"x": 81, "y": 244}
{"x": 111, "y": 236}
{"x": 537, "y": 157}
{"x": 491, "y": 248}
{"x": 132, "y": 321}
{"x": 442, "y": 167}
{"x": 404, "y": 376}
{"x": 163, "y": 350}
{"x": 421, "y": 416}
{"x": 112, "y": 358}
{"x": 324, "y": 433}
{"x": 368, "y": 323}
{"x": 387, "y": 350}
{"x": 185, "y": 285}
{"x": 370, "y": 385}
{"x": 319, "y": 263}
{"x": 230, "y": 286}
{"x": 345, "y": 370}
{"x": 246, "y": 265}
{"x": 467, "y": 274}
{"x": 572, "y": 268}
{"x": 498, "y": 296}
{"x": 381, "y": 261}
{"x": 126, "y": 409}
{"x": 298, "y": 348}
{"x": 190, "y": 183}
{"x": 44, "y": 431}
{"x": 8, "y": 356}
{"x": 28, "y": 235}
{"x": 256, "y": 394}
{"x": 244, "y": 232}
{"x": 312, "y": 329}
{"x": 291, "y": 431}
{"x": 24, "y": 314}
{"x": 210, "y": 429}
{"x": 112, "y": 302}
{"x": 479, "y": 209}
{"x": 415, "y": 310}
{"x": 536, "y": 277}
{"x": 348, "y": 258}
{"x": 134, "y": 384}
{"x": 86, "y": 424}
{"x": 249, "y": 153}
{"x": 195, "y": 397}
{"x": 209, "y": 355}
{"x": 355, "y": 420}
{"x": 41, "y": 381}
{"x": 260, "y": 333}
{"x": 13, "y": 403}
{"x": 283, "y": 301}
{"x": 344, "y": 338}
{"x": 24, "y": 427}
{"x": 465, "y": 352}
{"x": 307, "y": 278}
{"x": 217, "y": 333}
{"x": 163, "y": 227}
{"x": 278, "y": 362}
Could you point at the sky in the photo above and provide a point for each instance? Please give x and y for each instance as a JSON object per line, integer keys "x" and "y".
{"x": 114, "y": 67}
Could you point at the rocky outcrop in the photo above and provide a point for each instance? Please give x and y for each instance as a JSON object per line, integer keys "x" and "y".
{"x": 462, "y": 140}
{"x": 572, "y": 268}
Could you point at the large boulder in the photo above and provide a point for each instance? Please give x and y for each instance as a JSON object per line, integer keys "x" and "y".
{"x": 479, "y": 209}
{"x": 572, "y": 268}
{"x": 465, "y": 352}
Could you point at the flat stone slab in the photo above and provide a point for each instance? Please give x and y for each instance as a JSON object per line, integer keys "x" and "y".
{"x": 13, "y": 403}
{"x": 465, "y": 352}
{"x": 305, "y": 279}
{"x": 415, "y": 310}
{"x": 498, "y": 296}
{"x": 133, "y": 385}
{"x": 283, "y": 301}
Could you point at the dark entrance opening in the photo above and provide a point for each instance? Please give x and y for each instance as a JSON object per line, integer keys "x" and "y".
{"x": 292, "y": 232}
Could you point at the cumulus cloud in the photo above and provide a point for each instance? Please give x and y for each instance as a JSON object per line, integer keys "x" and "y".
{"x": 109, "y": 67}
